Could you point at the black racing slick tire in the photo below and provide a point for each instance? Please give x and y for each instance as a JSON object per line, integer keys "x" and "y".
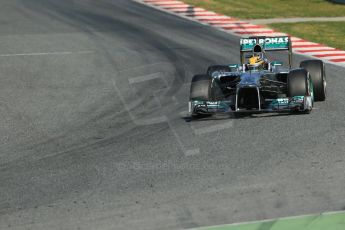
{"x": 297, "y": 83}
{"x": 217, "y": 68}
{"x": 200, "y": 88}
{"x": 316, "y": 69}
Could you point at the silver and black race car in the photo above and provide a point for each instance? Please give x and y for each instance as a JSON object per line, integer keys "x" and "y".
{"x": 257, "y": 84}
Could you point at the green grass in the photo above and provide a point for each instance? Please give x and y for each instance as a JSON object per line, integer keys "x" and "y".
{"x": 250, "y": 9}
{"x": 328, "y": 33}
{"x": 327, "y": 221}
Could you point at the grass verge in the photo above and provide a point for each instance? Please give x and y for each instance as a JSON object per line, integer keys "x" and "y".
{"x": 249, "y": 9}
{"x": 329, "y": 221}
{"x": 327, "y": 33}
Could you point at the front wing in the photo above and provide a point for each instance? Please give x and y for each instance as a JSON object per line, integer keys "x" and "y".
{"x": 288, "y": 104}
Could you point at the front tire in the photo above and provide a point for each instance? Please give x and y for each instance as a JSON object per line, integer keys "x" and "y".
{"x": 200, "y": 89}
{"x": 297, "y": 83}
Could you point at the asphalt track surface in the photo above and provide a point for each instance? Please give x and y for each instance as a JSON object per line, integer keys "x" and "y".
{"x": 94, "y": 135}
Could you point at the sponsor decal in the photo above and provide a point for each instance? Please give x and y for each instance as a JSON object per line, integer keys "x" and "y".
{"x": 268, "y": 43}
{"x": 283, "y": 101}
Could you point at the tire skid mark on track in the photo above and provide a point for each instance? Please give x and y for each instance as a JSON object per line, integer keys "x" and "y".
{"x": 187, "y": 151}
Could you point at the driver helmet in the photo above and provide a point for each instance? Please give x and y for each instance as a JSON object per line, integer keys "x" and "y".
{"x": 255, "y": 62}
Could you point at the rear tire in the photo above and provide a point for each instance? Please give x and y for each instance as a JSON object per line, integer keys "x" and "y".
{"x": 316, "y": 69}
{"x": 217, "y": 68}
{"x": 297, "y": 83}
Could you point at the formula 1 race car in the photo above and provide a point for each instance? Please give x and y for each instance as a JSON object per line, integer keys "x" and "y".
{"x": 257, "y": 84}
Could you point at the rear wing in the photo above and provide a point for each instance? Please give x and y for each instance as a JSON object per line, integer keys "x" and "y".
{"x": 267, "y": 44}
